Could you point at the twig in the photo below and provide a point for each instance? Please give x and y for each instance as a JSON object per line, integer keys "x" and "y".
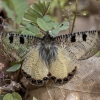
{"x": 11, "y": 87}
{"x": 60, "y": 11}
{"x": 69, "y": 20}
{"x": 26, "y": 94}
{"x": 1, "y": 24}
{"x": 75, "y": 16}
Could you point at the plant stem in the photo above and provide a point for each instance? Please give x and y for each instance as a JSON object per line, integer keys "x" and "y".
{"x": 75, "y": 16}
{"x": 69, "y": 20}
{"x": 60, "y": 11}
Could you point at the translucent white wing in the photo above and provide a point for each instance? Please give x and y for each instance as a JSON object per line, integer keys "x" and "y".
{"x": 80, "y": 45}
{"x": 34, "y": 69}
{"x": 73, "y": 47}
{"x": 17, "y": 45}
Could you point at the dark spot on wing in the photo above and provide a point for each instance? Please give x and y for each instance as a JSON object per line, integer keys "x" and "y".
{"x": 99, "y": 33}
{"x": 39, "y": 82}
{"x": 73, "y": 38}
{"x": 49, "y": 74}
{"x": 45, "y": 78}
{"x": 59, "y": 81}
{"x": 33, "y": 81}
{"x": 84, "y": 36}
{"x": 21, "y": 39}
{"x": 70, "y": 74}
{"x": 53, "y": 77}
{"x": 28, "y": 76}
{"x": 11, "y": 37}
{"x": 65, "y": 79}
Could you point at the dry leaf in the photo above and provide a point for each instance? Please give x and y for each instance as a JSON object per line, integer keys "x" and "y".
{"x": 84, "y": 86}
{"x": 1, "y": 66}
{"x": 0, "y": 91}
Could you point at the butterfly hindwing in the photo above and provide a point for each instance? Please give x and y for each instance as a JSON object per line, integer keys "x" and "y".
{"x": 36, "y": 69}
{"x": 61, "y": 69}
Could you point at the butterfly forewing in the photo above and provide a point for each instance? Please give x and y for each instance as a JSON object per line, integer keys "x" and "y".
{"x": 81, "y": 45}
{"x": 16, "y": 45}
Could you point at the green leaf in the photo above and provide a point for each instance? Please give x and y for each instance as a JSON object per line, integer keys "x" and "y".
{"x": 42, "y": 6}
{"x": 42, "y": 24}
{"x": 8, "y": 96}
{"x": 35, "y": 11}
{"x": 16, "y": 96}
{"x": 38, "y": 7}
{"x": 56, "y": 24}
{"x": 33, "y": 29}
{"x": 63, "y": 26}
{"x": 26, "y": 32}
{"x": 29, "y": 17}
{"x": 1, "y": 97}
{"x": 15, "y": 9}
{"x": 45, "y": 23}
{"x": 34, "y": 98}
{"x": 13, "y": 96}
{"x": 14, "y": 68}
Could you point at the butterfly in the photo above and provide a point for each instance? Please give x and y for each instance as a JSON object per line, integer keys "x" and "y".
{"x": 50, "y": 57}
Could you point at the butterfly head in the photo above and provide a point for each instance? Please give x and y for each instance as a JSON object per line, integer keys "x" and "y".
{"x": 47, "y": 38}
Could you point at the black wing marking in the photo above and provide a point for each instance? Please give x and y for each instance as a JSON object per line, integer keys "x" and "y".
{"x": 80, "y": 45}
{"x": 17, "y": 45}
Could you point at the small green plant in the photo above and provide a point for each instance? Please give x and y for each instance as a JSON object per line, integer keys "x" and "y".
{"x": 14, "y": 68}
{"x": 13, "y": 96}
{"x": 34, "y": 98}
{"x": 15, "y": 10}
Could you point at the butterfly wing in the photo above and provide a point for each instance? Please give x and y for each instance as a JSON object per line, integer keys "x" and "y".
{"x": 17, "y": 45}
{"x": 62, "y": 69}
{"x": 34, "y": 69}
{"x": 72, "y": 47}
{"x": 81, "y": 45}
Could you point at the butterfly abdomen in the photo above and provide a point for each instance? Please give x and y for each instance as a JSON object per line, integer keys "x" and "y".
{"x": 47, "y": 53}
